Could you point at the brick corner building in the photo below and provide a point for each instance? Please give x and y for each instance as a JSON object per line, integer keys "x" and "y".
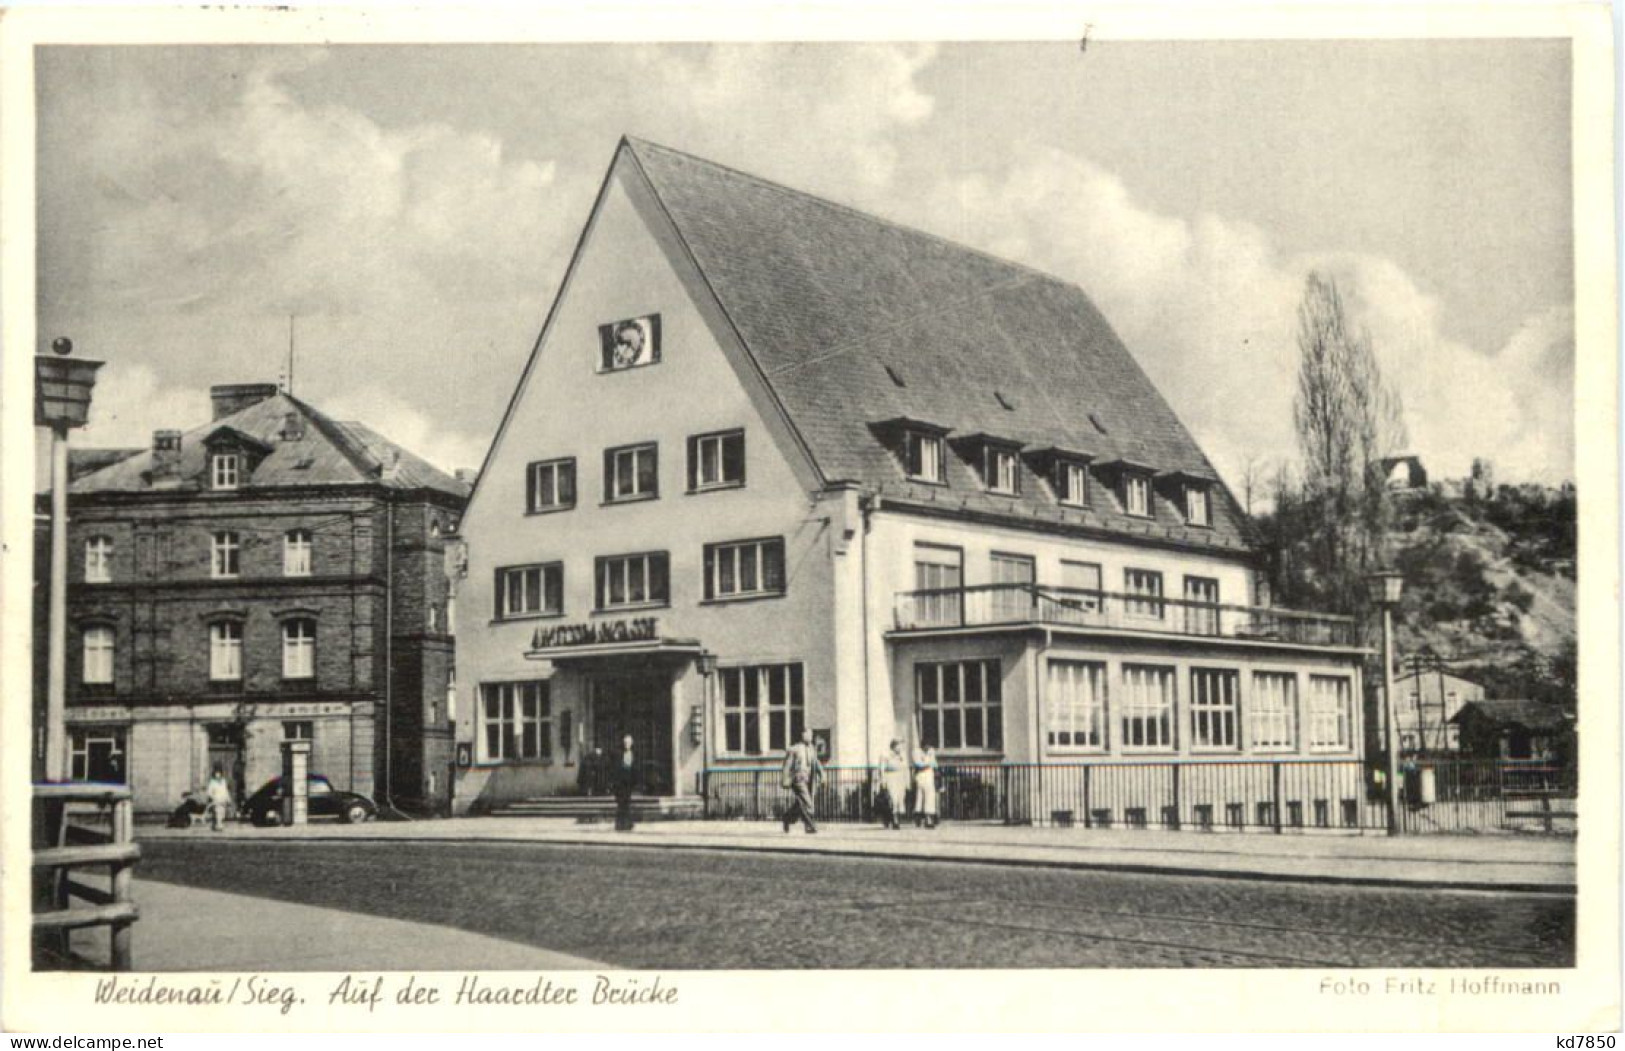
{"x": 272, "y": 574}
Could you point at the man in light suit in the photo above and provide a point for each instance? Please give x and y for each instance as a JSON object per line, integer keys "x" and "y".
{"x": 802, "y": 773}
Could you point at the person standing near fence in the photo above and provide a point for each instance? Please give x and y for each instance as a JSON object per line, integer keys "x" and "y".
{"x": 925, "y": 787}
{"x": 802, "y": 773}
{"x": 891, "y": 771}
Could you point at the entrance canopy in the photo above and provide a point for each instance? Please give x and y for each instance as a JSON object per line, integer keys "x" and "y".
{"x": 591, "y": 653}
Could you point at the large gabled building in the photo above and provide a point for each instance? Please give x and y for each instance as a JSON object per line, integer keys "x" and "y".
{"x": 272, "y": 574}
{"x": 776, "y": 463}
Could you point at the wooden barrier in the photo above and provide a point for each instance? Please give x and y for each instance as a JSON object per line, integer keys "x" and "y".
{"x": 65, "y": 842}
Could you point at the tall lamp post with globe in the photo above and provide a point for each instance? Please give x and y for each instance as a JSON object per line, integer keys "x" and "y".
{"x": 1384, "y": 589}
{"x": 62, "y": 389}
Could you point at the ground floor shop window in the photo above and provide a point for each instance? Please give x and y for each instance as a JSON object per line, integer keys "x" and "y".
{"x": 518, "y": 721}
{"x": 1076, "y": 714}
{"x": 1274, "y": 711}
{"x": 97, "y": 754}
{"x": 298, "y": 730}
{"x": 1148, "y": 708}
{"x": 1215, "y": 696}
{"x": 763, "y": 708}
{"x": 961, "y": 704}
{"x": 1330, "y": 698}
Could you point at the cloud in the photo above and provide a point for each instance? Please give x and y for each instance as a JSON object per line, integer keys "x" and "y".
{"x": 130, "y": 402}
{"x": 1208, "y": 307}
{"x": 408, "y": 426}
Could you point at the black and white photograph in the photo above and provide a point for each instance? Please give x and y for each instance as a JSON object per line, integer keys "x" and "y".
{"x": 585, "y": 516}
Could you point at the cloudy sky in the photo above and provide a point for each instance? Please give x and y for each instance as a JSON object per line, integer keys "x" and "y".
{"x": 414, "y": 208}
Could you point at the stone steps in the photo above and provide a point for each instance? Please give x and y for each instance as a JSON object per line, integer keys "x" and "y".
{"x": 592, "y": 809}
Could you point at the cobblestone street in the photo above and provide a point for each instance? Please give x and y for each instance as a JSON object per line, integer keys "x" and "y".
{"x": 694, "y": 909}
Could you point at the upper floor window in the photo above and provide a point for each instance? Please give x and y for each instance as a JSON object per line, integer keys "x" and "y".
{"x": 1202, "y": 619}
{"x": 223, "y": 551}
{"x": 923, "y": 457}
{"x": 98, "y": 560}
{"x": 1144, "y": 582}
{"x": 629, "y": 344}
{"x": 1001, "y": 470}
{"x": 98, "y": 663}
{"x": 523, "y": 591}
{"x": 744, "y": 568}
{"x": 226, "y": 651}
{"x": 299, "y": 648}
{"x": 224, "y": 469}
{"x": 1196, "y": 505}
{"x": 550, "y": 485}
{"x": 633, "y": 580}
{"x": 1072, "y": 483}
{"x": 716, "y": 461}
{"x": 631, "y": 472}
{"x": 1137, "y": 495}
{"x": 296, "y": 553}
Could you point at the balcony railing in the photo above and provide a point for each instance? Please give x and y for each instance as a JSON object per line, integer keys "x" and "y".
{"x": 987, "y": 605}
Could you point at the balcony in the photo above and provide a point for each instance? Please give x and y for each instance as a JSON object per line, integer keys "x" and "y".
{"x": 999, "y": 605}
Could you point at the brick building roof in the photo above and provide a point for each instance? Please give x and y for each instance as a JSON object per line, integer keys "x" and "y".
{"x": 318, "y": 451}
{"x": 854, "y": 320}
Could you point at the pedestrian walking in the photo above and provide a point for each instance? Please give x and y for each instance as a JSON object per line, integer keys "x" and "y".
{"x": 802, "y": 774}
{"x": 218, "y": 793}
{"x": 925, "y": 787}
{"x": 624, "y": 776}
{"x": 892, "y": 791}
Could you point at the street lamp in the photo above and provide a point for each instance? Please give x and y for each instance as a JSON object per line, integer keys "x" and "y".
{"x": 62, "y": 388}
{"x": 1384, "y": 589}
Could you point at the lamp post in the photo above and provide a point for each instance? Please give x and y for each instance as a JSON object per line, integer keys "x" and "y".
{"x": 62, "y": 388}
{"x": 1384, "y": 589}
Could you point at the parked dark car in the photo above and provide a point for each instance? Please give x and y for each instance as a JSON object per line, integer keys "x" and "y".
{"x": 265, "y": 806}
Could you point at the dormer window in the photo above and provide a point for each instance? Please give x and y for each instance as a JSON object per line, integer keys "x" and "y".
{"x": 224, "y": 470}
{"x": 1001, "y": 470}
{"x": 1197, "y": 511}
{"x": 1072, "y": 483}
{"x": 923, "y": 457}
{"x": 1137, "y": 494}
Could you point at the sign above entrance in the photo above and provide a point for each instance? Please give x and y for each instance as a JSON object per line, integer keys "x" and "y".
{"x": 641, "y": 629}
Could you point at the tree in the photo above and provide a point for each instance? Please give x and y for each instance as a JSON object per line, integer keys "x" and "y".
{"x": 1347, "y": 420}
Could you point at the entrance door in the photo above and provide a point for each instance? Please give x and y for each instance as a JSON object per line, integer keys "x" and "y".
{"x": 226, "y": 752}
{"x": 639, "y": 705}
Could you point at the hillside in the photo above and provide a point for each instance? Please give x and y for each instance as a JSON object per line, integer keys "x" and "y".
{"x": 1490, "y": 584}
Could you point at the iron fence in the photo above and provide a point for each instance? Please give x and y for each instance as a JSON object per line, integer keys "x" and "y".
{"x": 1279, "y": 795}
{"x": 992, "y": 604}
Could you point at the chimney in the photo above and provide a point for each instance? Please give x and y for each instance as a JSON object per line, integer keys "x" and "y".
{"x": 166, "y": 454}
{"x": 232, "y": 398}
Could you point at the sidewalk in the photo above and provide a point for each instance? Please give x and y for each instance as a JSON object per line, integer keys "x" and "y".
{"x": 1529, "y": 863}
{"x": 189, "y": 929}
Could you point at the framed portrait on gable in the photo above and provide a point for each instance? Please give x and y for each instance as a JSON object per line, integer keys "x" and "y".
{"x": 630, "y": 343}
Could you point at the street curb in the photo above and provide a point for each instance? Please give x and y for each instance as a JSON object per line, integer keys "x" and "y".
{"x": 1130, "y": 867}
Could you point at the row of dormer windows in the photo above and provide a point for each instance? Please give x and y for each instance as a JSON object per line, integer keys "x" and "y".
{"x": 632, "y": 472}
{"x": 925, "y": 459}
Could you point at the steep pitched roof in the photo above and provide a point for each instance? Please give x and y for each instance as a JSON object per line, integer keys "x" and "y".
{"x": 328, "y": 453}
{"x": 855, "y": 320}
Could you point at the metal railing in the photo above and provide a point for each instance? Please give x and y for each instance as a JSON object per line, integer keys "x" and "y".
{"x": 985, "y": 605}
{"x": 77, "y": 827}
{"x": 1196, "y": 794}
